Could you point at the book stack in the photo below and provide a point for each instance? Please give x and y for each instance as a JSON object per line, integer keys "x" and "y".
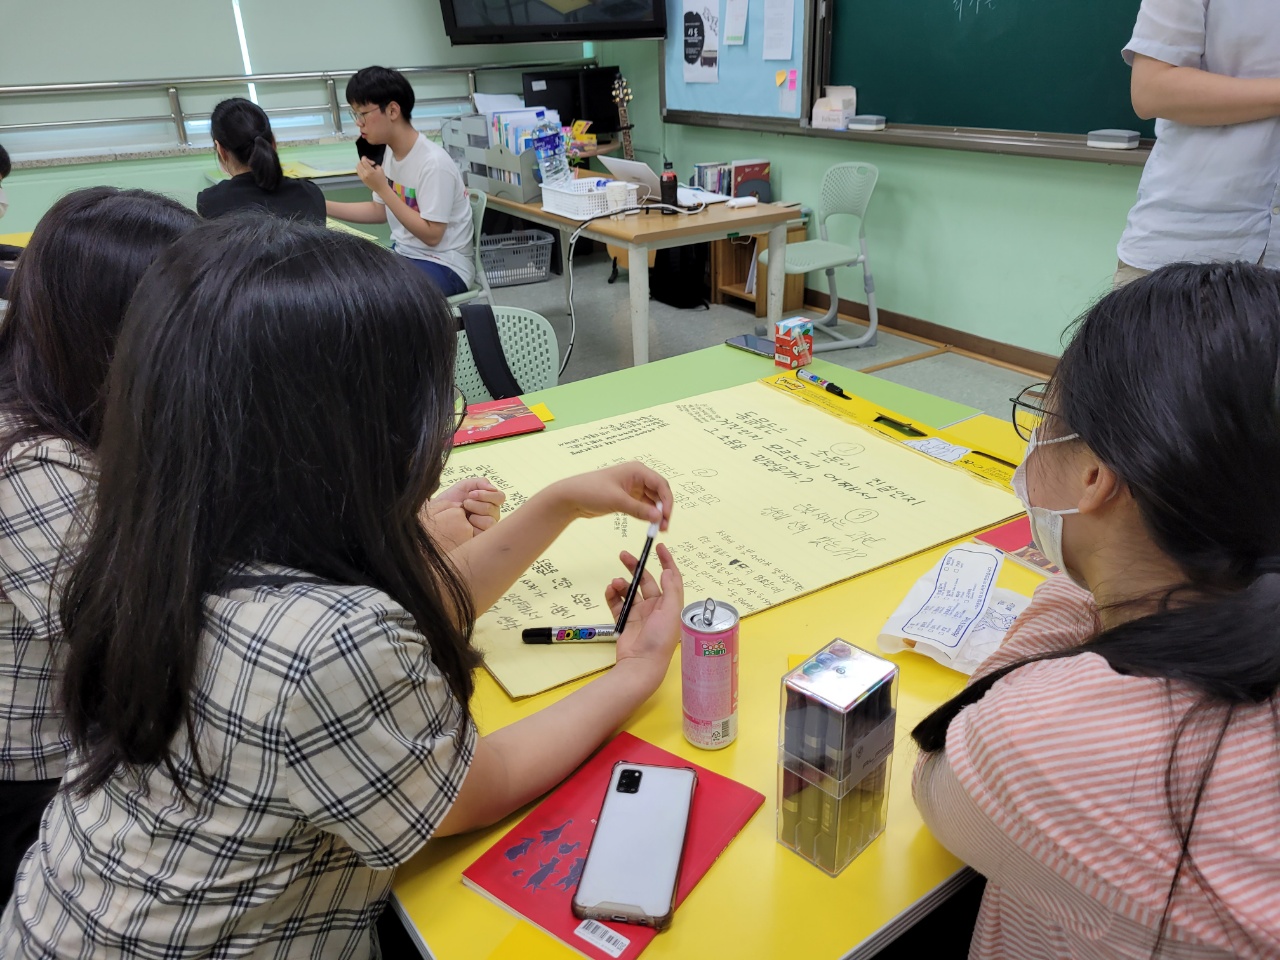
{"x": 712, "y": 177}
{"x": 514, "y": 129}
{"x": 738, "y": 178}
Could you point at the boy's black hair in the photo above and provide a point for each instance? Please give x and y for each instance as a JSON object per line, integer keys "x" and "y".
{"x": 381, "y": 86}
{"x": 6, "y": 167}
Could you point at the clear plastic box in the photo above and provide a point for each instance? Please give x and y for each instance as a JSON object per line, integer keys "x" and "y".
{"x": 836, "y": 729}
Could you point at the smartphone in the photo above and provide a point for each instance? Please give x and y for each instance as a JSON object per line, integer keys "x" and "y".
{"x": 634, "y": 859}
{"x": 373, "y": 151}
{"x": 753, "y": 344}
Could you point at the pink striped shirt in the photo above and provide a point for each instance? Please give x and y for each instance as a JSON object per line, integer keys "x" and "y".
{"x": 1053, "y": 787}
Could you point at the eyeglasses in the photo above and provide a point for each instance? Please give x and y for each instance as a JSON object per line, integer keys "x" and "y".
{"x": 459, "y": 409}
{"x": 357, "y": 116}
{"x": 1028, "y": 409}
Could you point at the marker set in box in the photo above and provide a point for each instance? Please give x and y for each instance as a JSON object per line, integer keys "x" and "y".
{"x": 835, "y": 741}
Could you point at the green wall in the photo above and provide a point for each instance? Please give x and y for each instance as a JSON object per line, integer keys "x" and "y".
{"x": 1008, "y": 248}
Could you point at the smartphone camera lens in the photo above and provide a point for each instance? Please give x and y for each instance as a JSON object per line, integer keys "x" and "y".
{"x": 629, "y": 781}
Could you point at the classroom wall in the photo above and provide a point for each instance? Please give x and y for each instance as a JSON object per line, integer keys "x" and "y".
{"x": 1007, "y": 248}
{"x": 86, "y": 40}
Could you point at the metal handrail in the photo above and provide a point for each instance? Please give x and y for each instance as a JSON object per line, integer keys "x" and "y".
{"x": 176, "y": 116}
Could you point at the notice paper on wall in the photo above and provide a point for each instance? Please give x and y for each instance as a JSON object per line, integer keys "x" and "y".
{"x": 701, "y": 41}
{"x": 735, "y": 22}
{"x": 779, "y": 22}
{"x": 955, "y": 614}
{"x": 773, "y": 499}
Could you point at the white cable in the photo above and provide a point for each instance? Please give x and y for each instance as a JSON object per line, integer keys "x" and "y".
{"x": 568, "y": 259}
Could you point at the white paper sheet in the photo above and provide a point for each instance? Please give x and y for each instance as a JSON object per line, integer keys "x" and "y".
{"x": 779, "y": 18}
{"x": 701, "y": 41}
{"x": 735, "y": 22}
{"x": 955, "y": 614}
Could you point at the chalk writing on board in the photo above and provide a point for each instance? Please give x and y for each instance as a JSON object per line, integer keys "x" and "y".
{"x": 976, "y": 6}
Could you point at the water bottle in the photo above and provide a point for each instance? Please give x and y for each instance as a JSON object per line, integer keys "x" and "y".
{"x": 548, "y": 141}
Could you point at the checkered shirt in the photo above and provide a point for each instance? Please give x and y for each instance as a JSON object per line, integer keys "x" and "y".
{"x": 42, "y": 486}
{"x": 334, "y": 748}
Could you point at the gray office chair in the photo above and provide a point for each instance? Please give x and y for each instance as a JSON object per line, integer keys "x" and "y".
{"x": 480, "y": 284}
{"x": 846, "y": 190}
{"x": 529, "y": 345}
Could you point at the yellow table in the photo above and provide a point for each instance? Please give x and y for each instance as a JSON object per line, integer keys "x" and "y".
{"x": 15, "y": 239}
{"x": 759, "y": 899}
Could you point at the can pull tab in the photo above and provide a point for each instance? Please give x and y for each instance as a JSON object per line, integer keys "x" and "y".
{"x": 708, "y": 612}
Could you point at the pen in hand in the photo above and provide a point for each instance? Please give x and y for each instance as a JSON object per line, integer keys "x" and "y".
{"x": 639, "y": 572}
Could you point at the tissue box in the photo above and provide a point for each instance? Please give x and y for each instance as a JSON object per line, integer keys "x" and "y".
{"x": 833, "y": 111}
{"x": 835, "y": 746}
{"x": 793, "y": 343}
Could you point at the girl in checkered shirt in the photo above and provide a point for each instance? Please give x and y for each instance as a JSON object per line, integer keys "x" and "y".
{"x": 271, "y": 666}
{"x": 68, "y": 298}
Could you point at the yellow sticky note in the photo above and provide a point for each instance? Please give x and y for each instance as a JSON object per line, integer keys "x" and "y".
{"x": 542, "y": 413}
{"x": 780, "y": 78}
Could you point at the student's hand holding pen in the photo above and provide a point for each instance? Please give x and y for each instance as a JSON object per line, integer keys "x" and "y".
{"x": 653, "y": 627}
{"x": 630, "y": 488}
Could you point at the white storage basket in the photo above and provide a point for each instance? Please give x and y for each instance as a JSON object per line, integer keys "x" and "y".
{"x": 576, "y": 199}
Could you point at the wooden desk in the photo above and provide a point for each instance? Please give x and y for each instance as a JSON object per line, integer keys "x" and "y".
{"x": 644, "y": 232}
{"x": 759, "y": 899}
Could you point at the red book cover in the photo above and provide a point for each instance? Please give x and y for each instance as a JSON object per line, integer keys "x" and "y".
{"x": 534, "y": 869}
{"x": 1014, "y": 538}
{"x": 751, "y": 179}
{"x": 494, "y": 419}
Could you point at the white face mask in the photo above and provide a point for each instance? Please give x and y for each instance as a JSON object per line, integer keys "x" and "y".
{"x": 1046, "y": 524}
{"x": 4, "y": 202}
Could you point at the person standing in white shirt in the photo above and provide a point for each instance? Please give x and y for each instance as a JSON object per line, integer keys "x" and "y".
{"x": 1211, "y": 189}
{"x": 417, "y": 188}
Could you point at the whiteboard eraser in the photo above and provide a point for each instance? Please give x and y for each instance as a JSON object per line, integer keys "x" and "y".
{"x": 1113, "y": 139}
{"x": 866, "y": 121}
{"x": 741, "y": 202}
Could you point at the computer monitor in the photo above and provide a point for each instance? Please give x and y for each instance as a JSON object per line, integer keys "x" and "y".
{"x": 583, "y": 93}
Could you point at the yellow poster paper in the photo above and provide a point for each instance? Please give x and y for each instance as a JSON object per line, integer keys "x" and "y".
{"x": 773, "y": 500}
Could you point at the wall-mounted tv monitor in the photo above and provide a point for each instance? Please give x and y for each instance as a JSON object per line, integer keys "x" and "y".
{"x": 523, "y": 21}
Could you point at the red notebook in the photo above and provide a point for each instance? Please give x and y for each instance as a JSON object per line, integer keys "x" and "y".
{"x": 494, "y": 419}
{"x": 1014, "y": 538}
{"x": 534, "y": 869}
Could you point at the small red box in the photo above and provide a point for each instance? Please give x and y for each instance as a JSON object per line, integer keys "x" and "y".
{"x": 793, "y": 343}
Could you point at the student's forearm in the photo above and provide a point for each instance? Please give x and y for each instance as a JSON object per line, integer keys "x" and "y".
{"x": 365, "y": 212}
{"x": 427, "y": 231}
{"x": 524, "y": 760}
{"x": 1198, "y": 97}
{"x": 490, "y": 564}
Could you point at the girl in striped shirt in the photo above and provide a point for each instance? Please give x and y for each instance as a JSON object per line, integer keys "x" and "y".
{"x": 1114, "y": 769}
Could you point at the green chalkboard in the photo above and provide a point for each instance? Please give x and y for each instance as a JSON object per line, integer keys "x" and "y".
{"x": 1042, "y": 65}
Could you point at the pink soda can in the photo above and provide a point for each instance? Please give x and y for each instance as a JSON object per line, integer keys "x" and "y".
{"x": 709, "y": 673}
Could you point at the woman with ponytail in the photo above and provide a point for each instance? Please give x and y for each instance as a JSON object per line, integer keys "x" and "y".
{"x": 246, "y": 151}
{"x": 1114, "y": 769}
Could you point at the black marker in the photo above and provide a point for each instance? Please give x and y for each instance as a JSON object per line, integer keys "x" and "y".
{"x": 635, "y": 579}
{"x": 605, "y": 633}
{"x": 826, "y": 385}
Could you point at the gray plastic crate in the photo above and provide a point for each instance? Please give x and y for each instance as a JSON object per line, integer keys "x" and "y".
{"x": 514, "y": 258}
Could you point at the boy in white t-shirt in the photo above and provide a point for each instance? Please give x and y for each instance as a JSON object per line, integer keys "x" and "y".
{"x": 417, "y": 188}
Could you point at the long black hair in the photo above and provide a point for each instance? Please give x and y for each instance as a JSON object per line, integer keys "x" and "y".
{"x": 1173, "y": 381}
{"x": 242, "y": 128}
{"x": 281, "y": 394}
{"x": 67, "y": 299}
